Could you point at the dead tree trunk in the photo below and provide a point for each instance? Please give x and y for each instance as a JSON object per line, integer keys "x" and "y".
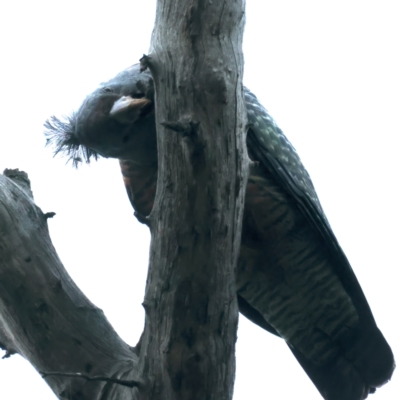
{"x": 187, "y": 348}
{"x": 197, "y": 66}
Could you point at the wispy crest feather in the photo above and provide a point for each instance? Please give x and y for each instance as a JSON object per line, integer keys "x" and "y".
{"x": 60, "y": 134}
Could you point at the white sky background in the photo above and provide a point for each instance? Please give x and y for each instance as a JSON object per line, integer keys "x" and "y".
{"x": 328, "y": 72}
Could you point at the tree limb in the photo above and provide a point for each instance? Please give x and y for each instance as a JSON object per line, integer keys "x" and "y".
{"x": 122, "y": 382}
{"x": 44, "y": 316}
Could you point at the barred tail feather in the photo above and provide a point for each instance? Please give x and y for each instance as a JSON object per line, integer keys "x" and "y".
{"x": 365, "y": 363}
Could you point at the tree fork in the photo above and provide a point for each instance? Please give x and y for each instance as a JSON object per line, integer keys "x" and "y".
{"x": 187, "y": 348}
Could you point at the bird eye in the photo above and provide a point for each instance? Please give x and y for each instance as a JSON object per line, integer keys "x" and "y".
{"x": 107, "y": 89}
{"x": 137, "y": 95}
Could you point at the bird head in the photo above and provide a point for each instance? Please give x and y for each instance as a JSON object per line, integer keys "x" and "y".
{"x": 116, "y": 120}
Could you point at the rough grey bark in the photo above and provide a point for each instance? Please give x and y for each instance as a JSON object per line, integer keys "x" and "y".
{"x": 197, "y": 65}
{"x": 187, "y": 348}
{"x": 44, "y": 316}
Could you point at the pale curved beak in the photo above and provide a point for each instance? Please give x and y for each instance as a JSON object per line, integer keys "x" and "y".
{"x": 127, "y": 109}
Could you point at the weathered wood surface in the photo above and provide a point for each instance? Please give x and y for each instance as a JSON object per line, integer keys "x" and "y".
{"x": 197, "y": 65}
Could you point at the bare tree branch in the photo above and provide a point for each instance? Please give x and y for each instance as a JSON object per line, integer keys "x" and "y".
{"x": 122, "y": 382}
{"x": 44, "y": 316}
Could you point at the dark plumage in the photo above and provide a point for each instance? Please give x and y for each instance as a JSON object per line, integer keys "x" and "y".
{"x": 293, "y": 278}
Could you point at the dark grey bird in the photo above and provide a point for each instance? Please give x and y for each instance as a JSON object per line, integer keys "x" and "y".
{"x": 293, "y": 278}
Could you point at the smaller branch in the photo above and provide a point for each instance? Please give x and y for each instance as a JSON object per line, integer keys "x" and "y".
{"x": 49, "y": 215}
{"x": 8, "y": 354}
{"x": 253, "y": 163}
{"x": 121, "y": 382}
{"x": 184, "y": 126}
{"x": 144, "y": 62}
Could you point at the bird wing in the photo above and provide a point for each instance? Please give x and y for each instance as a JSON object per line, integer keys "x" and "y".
{"x": 346, "y": 358}
{"x": 278, "y": 155}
